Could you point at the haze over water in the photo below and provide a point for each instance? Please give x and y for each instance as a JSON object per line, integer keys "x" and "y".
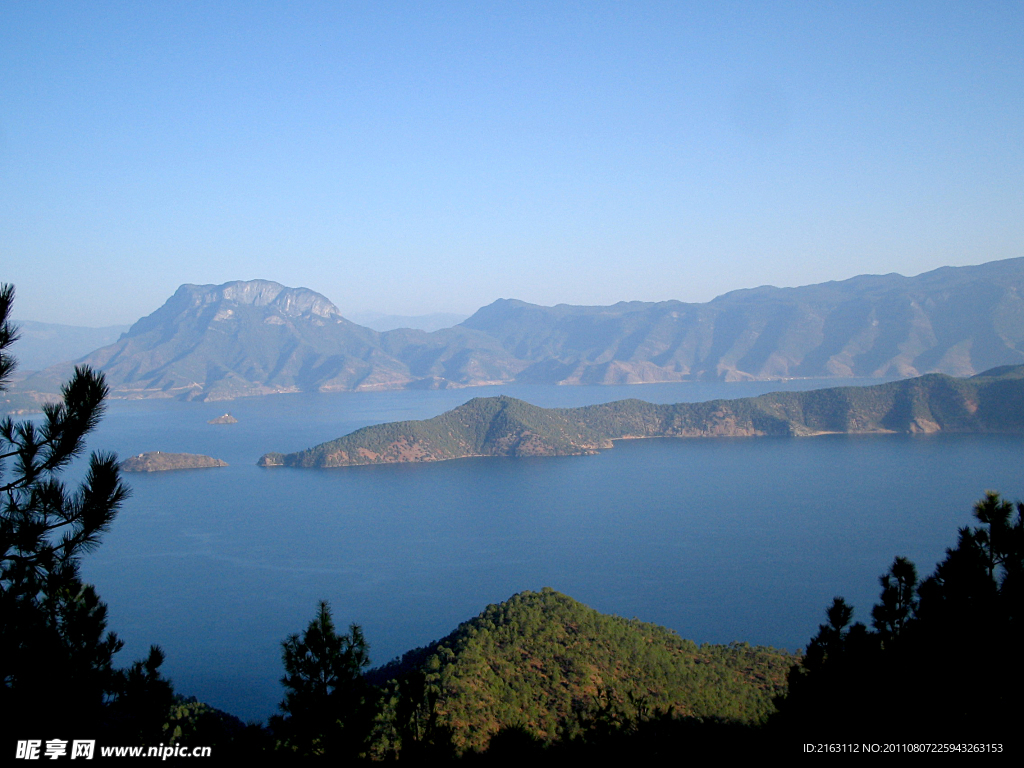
{"x": 726, "y": 539}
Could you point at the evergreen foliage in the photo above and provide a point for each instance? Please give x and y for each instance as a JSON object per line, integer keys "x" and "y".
{"x": 56, "y": 655}
{"x": 328, "y": 704}
{"x": 947, "y": 649}
{"x": 192, "y": 722}
{"x": 558, "y": 670}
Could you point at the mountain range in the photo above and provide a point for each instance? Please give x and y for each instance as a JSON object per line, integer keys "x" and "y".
{"x": 259, "y": 337}
{"x": 504, "y": 426}
{"x": 381, "y": 322}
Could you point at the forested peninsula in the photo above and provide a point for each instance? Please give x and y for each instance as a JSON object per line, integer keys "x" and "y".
{"x": 992, "y": 401}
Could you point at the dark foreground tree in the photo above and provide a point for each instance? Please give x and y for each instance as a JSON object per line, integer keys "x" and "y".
{"x": 329, "y": 706}
{"x": 56, "y": 656}
{"x": 944, "y": 660}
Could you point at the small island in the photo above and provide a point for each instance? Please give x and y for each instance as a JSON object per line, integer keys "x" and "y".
{"x": 227, "y": 418}
{"x": 158, "y": 461}
{"x": 503, "y": 426}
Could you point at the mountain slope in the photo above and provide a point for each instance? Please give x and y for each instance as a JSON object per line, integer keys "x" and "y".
{"x": 485, "y": 426}
{"x": 955, "y": 320}
{"x": 503, "y": 426}
{"x": 234, "y": 339}
{"x": 381, "y": 322}
{"x": 544, "y": 662}
{"x": 259, "y": 337}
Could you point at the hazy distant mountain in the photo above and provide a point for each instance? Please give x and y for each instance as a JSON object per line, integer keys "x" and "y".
{"x": 259, "y": 337}
{"x": 241, "y": 338}
{"x": 955, "y": 320}
{"x": 41, "y": 345}
{"x": 504, "y": 426}
{"x": 429, "y": 323}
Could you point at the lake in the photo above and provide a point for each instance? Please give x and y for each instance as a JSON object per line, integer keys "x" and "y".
{"x": 722, "y": 539}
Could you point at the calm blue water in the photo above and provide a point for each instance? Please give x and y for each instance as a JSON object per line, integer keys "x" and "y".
{"x": 720, "y": 539}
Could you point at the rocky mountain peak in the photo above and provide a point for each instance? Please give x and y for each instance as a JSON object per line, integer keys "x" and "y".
{"x": 291, "y": 302}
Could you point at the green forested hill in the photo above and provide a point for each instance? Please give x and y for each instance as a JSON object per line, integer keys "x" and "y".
{"x": 551, "y": 666}
{"x": 485, "y": 426}
{"x": 503, "y": 426}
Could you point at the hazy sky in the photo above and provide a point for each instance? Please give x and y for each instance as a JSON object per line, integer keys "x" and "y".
{"x": 418, "y": 157}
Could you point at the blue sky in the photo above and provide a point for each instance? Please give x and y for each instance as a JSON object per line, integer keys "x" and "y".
{"x": 419, "y": 157}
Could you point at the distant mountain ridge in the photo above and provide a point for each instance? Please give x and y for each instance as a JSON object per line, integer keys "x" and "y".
{"x": 429, "y": 323}
{"x": 955, "y": 320}
{"x": 504, "y": 426}
{"x": 259, "y": 337}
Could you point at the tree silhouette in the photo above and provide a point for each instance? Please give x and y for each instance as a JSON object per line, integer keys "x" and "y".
{"x": 55, "y": 652}
{"x": 899, "y": 600}
{"x": 329, "y": 706}
{"x": 944, "y": 655}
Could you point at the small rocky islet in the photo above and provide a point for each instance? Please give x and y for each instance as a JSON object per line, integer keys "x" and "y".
{"x": 158, "y": 461}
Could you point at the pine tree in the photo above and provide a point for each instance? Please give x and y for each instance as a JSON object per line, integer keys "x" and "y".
{"x": 898, "y": 601}
{"x": 944, "y": 655}
{"x": 330, "y": 706}
{"x": 56, "y": 655}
